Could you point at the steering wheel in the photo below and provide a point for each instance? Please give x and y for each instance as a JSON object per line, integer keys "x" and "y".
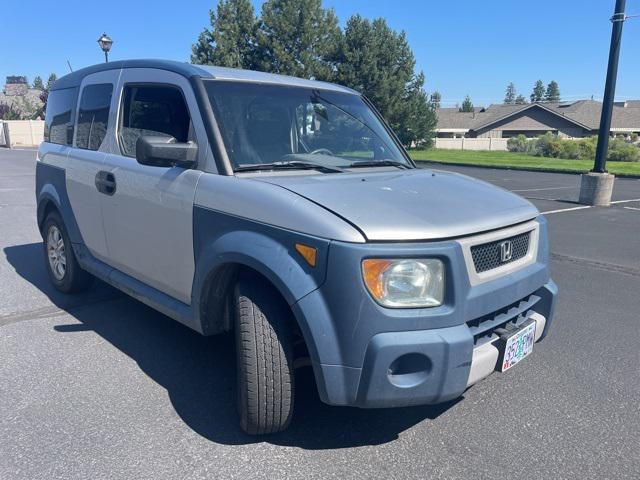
{"x": 326, "y": 151}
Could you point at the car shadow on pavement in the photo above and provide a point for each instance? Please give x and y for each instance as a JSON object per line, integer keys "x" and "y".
{"x": 199, "y": 372}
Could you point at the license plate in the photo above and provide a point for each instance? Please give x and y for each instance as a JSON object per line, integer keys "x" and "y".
{"x": 518, "y": 345}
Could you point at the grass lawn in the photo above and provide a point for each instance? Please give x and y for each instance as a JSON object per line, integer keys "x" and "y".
{"x": 519, "y": 160}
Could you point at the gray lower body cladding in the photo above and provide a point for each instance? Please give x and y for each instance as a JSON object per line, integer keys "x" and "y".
{"x": 361, "y": 350}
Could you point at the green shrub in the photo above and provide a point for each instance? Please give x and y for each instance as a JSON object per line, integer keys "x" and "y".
{"x": 569, "y": 149}
{"x": 621, "y": 151}
{"x": 522, "y": 144}
{"x": 517, "y": 144}
{"x": 587, "y": 148}
{"x": 549, "y": 145}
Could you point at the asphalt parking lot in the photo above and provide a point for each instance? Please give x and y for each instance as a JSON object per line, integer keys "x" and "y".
{"x": 101, "y": 386}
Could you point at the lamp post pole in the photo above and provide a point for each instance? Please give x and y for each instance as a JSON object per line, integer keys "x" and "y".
{"x": 596, "y": 186}
{"x": 609, "y": 88}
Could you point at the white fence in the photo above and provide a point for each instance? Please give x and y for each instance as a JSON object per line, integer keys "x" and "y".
{"x": 472, "y": 143}
{"x": 21, "y": 133}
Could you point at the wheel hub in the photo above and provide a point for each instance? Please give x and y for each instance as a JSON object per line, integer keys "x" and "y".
{"x": 56, "y": 252}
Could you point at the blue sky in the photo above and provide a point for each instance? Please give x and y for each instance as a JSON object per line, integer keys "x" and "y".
{"x": 464, "y": 47}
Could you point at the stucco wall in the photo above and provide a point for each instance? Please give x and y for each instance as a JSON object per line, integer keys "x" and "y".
{"x": 471, "y": 143}
{"x": 23, "y": 133}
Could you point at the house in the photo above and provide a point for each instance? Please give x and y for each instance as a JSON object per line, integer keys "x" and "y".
{"x": 576, "y": 119}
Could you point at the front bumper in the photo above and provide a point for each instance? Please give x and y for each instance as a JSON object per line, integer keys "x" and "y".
{"x": 433, "y": 366}
{"x": 368, "y": 356}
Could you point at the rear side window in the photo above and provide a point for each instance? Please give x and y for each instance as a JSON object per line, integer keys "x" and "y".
{"x": 93, "y": 115}
{"x": 59, "y": 117}
{"x": 152, "y": 110}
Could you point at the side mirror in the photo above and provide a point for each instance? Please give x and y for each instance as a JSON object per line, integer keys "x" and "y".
{"x": 158, "y": 151}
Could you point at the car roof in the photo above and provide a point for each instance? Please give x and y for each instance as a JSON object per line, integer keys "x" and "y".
{"x": 189, "y": 70}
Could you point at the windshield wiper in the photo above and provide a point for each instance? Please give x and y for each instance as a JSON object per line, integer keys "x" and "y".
{"x": 288, "y": 165}
{"x": 379, "y": 163}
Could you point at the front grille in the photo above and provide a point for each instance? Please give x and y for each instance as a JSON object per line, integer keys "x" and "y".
{"x": 488, "y": 256}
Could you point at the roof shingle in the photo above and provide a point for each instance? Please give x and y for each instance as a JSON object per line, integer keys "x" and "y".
{"x": 585, "y": 112}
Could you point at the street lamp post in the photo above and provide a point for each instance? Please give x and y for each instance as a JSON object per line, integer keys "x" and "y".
{"x": 596, "y": 186}
{"x": 609, "y": 88}
{"x": 105, "y": 43}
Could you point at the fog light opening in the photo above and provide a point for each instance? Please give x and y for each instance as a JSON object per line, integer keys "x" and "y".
{"x": 409, "y": 370}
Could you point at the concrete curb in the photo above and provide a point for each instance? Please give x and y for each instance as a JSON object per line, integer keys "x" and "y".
{"x": 524, "y": 169}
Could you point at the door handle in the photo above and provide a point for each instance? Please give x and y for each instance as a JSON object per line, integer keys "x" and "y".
{"x": 106, "y": 182}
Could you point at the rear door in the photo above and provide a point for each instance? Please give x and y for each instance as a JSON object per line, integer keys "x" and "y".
{"x": 85, "y": 161}
{"x": 148, "y": 219}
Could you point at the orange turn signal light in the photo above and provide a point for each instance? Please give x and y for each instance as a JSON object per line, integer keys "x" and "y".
{"x": 308, "y": 253}
{"x": 372, "y": 270}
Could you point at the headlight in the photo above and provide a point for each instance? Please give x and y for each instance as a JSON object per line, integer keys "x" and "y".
{"x": 405, "y": 283}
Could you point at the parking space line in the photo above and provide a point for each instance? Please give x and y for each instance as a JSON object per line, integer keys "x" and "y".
{"x": 566, "y": 209}
{"x": 632, "y": 208}
{"x": 626, "y": 201}
{"x": 542, "y": 189}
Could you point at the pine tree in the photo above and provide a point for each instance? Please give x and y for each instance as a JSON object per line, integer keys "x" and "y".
{"x": 552, "y": 93}
{"x": 538, "y": 92}
{"x": 378, "y": 62}
{"x": 44, "y": 96}
{"x": 38, "y": 83}
{"x": 231, "y": 40}
{"x": 52, "y": 78}
{"x": 299, "y": 38}
{"x": 436, "y": 98}
{"x": 510, "y": 95}
{"x": 467, "y": 105}
{"x": 520, "y": 100}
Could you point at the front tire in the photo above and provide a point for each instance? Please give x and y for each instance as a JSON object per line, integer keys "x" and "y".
{"x": 264, "y": 353}
{"x": 62, "y": 266}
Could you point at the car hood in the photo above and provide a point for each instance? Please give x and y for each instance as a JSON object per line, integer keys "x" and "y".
{"x": 412, "y": 204}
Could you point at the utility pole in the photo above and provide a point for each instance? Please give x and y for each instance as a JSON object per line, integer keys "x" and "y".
{"x": 596, "y": 187}
{"x": 609, "y": 88}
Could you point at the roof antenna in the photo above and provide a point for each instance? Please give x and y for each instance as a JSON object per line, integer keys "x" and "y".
{"x": 69, "y": 65}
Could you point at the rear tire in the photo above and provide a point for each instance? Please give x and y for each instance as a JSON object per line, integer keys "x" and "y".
{"x": 62, "y": 266}
{"x": 264, "y": 353}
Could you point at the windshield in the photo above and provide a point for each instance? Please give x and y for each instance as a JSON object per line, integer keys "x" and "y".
{"x": 264, "y": 124}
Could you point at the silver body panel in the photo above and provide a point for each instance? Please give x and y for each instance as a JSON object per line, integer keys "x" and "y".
{"x": 273, "y": 205}
{"x": 411, "y": 205}
{"x": 148, "y": 222}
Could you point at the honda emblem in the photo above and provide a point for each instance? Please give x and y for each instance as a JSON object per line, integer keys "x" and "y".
{"x": 506, "y": 251}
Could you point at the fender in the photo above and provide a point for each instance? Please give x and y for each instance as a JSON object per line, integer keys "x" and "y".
{"x": 222, "y": 239}
{"x": 51, "y": 186}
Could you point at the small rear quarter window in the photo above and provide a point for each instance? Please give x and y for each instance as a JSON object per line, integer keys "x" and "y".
{"x": 59, "y": 116}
